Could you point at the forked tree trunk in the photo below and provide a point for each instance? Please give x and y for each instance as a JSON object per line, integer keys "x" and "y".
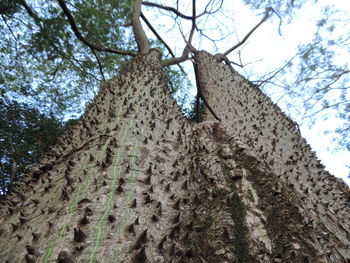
{"x": 133, "y": 181}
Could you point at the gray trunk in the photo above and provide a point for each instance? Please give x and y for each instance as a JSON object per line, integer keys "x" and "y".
{"x": 133, "y": 181}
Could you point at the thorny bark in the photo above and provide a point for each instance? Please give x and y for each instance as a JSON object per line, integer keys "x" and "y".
{"x": 134, "y": 181}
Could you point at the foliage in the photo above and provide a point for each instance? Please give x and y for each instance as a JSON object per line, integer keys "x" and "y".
{"x": 195, "y": 113}
{"x": 25, "y": 135}
{"x": 42, "y": 60}
{"x": 282, "y": 8}
{"x": 320, "y": 77}
{"x": 8, "y": 7}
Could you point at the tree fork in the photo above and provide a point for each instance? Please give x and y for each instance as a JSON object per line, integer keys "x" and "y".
{"x": 141, "y": 183}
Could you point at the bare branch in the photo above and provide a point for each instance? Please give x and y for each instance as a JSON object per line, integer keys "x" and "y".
{"x": 157, "y": 35}
{"x": 171, "y": 9}
{"x": 189, "y": 46}
{"x": 178, "y": 13}
{"x": 82, "y": 39}
{"x": 209, "y": 108}
{"x": 99, "y": 63}
{"x": 193, "y": 22}
{"x": 328, "y": 87}
{"x": 29, "y": 10}
{"x": 325, "y": 108}
{"x": 176, "y": 60}
{"x": 261, "y": 82}
{"x": 267, "y": 14}
{"x": 212, "y": 11}
{"x": 139, "y": 33}
{"x": 154, "y": 31}
{"x": 188, "y": 42}
{"x": 9, "y": 28}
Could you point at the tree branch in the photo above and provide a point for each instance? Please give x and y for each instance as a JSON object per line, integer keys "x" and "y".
{"x": 82, "y": 39}
{"x": 177, "y": 60}
{"x": 37, "y": 20}
{"x": 29, "y": 10}
{"x": 211, "y": 11}
{"x": 9, "y": 28}
{"x": 171, "y": 9}
{"x": 139, "y": 33}
{"x": 161, "y": 40}
{"x": 267, "y": 14}
{"x": 178, "y": 13}
{"x": 99, "y": 63}
{"x": 261, "y": 82}
{"x": 193, "y": 22}
{"x": 324, "y": 108}
{"x": 157, "y": 35}
{"x": 189, "y": 46}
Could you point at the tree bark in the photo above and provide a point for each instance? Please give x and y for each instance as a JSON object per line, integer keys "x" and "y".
{"x": 139, "y": 33}
{"x": 134, "y": 181}
{"x": 322, "y": 223}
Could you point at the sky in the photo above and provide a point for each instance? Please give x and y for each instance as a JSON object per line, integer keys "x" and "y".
{"x": 266, "y": 50}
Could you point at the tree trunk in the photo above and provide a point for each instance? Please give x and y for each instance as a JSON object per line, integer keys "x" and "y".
{"x": 134, "y": 181}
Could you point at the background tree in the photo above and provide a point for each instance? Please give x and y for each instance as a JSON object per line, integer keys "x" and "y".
{"x": 25, "y": 136}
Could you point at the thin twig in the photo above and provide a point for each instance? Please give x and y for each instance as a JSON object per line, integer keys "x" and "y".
{"x": 212, "y": 12}
{"x": 267, "y": 14}
{"x": 276, "y": 72}
{"x": 171, "y": 9}
{"x": 209, "y": 108}
{"x": 183, "y": 57}
{"x": 178, "y": 13}
{"x": 324, "y": 108}
{"x": 154, "y": 31}
{"x": 9, "y": 28}
{"x": 82, "y": 39}
{"x": 189, "y": 46}
{"x": 99, "y": 63}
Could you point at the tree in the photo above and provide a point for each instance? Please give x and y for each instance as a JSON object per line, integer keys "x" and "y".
{"x": 134, "y": 181}
{"x": 44, "y": 61}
